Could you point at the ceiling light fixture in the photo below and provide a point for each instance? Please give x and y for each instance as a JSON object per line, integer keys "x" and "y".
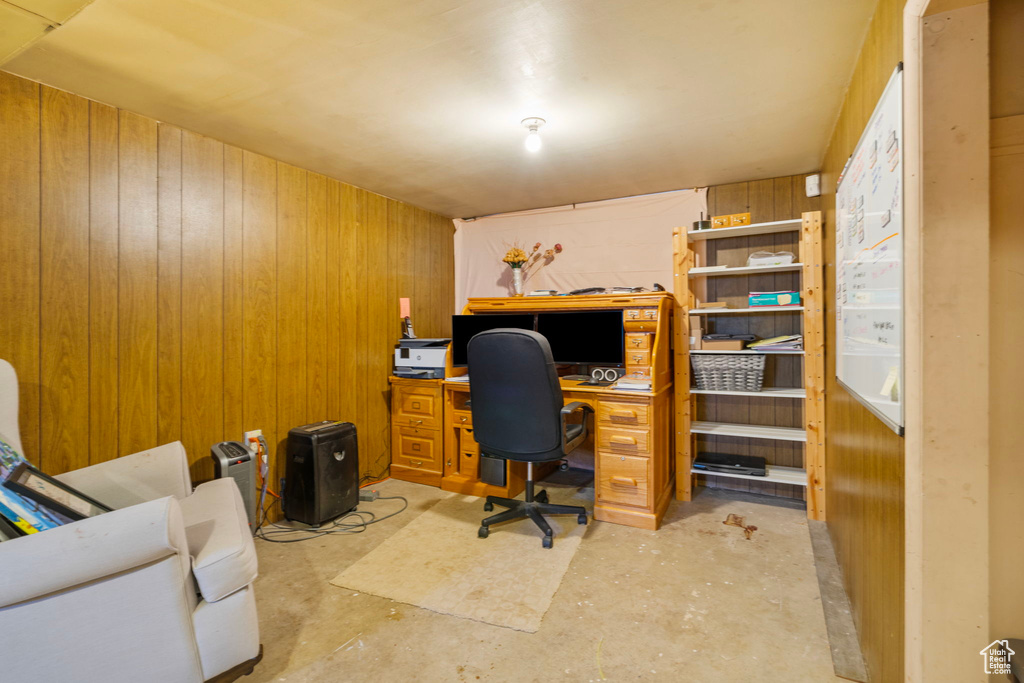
{"x": 533, "y": 138}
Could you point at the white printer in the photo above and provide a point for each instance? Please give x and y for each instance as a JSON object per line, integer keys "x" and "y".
{"x": 421, "y": 358}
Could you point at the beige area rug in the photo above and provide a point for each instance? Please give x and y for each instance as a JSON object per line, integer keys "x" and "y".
{"x": 438, "y": 563}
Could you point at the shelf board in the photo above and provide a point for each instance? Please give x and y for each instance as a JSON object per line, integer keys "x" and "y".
{"x": 745, "y": 270}
{"x": 776, "y": 475}
{"x": 767, "y": 392}
{"x": 749, "y": 431}
{"x": 744, "y": 230}
{"x": 752, "y": 352}
{"x": 755, "y": 309}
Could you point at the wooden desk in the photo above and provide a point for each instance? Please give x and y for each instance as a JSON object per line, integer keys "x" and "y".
{"x": 630, "y": 437}
{"x": 630, "y": 433}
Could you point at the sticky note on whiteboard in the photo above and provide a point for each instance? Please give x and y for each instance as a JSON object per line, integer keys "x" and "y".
{"x": 403, "y": 306}
{"x": 889, "y": 388}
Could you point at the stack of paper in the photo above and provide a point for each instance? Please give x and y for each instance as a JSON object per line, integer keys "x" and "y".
{"x": 791, "y": 342}
{"x": 626, "y": 384}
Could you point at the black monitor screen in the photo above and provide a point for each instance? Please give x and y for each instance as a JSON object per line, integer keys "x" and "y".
{"x": 583, "y": 337}
{"x": 464, "y": 327}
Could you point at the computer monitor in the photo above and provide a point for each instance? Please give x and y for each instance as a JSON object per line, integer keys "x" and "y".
{"x": 583, "y": 337}
{"x": 465, "y": 327}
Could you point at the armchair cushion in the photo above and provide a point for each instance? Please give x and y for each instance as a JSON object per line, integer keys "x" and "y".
{"x": 90, "y": 549}
{"x": 219, "y": 539}
{"x": 136, "y": 478}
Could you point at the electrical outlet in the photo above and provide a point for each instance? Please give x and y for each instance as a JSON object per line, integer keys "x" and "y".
{"x": 251, "y": 445}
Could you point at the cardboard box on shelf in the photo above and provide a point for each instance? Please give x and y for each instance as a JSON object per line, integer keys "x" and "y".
{"x": 722, "y": 344}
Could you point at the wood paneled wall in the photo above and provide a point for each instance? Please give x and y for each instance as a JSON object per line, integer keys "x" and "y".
{"x": 865, "y": 473}
{"x": 772, "y": 199}
{"x": 158, "y": 285}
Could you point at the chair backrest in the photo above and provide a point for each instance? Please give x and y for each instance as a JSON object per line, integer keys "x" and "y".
{"x": 515, "y": 395}
{"x": 9, "y": 406}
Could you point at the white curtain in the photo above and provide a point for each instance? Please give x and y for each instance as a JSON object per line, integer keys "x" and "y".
{"x": 618, "y": 242}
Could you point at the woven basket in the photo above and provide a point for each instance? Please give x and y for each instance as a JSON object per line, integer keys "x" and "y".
{"x": 728, "y": 372}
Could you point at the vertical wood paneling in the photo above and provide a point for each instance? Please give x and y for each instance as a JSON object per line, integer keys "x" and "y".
{"x": 137, "y": 288}
{"x": 234, "y": 422}
{"x": 19, "y": 243}
{"x": 64, "y": 279}
{"x": 202, "y": 297}
{"x": 259, "y": 291}
{"x": 336, "y": 302}
{"x": 103, "y": 255}
{"x": 168, "y": 317}
{"x": 864, "y": 467}
{"x": 379, "y": 339}
{"x": 291, "y": 303}
{"x": 192, "y": 290}
{"x": 316, "y": 259}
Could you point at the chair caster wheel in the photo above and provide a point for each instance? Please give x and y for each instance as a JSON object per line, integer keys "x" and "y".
{"x": 563, "y": 466}
{"x": 547, "y": 542}
{"x": 488, "y": 507}
{"x": 581, "y": 519}
{"x": 482, "y": 533}
{"x": 541, "y": 497}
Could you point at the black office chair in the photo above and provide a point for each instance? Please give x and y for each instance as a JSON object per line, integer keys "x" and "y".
{"x": 518, "y": 414}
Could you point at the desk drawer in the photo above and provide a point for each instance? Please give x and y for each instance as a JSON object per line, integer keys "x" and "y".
{"x": 637, "y": 340}
{"x": 462, "y": 418}
{"x": 416, "y": 448}
{"x": 623, "y": 440}
{"x": 624, "y": 480}
{"x": 467, "y": 444}
{"x": 624, "y": 413}
{"x": 637, "y": 357}
{"x": 416, "y": 406}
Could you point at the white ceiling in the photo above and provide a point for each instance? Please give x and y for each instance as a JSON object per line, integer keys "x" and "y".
{"x": 421, "y": 101}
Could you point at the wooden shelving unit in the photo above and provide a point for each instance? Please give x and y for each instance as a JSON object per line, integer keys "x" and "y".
{"x": 694, "y": 276}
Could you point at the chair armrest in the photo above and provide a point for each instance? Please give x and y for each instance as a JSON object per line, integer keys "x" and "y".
{"x": 569, "y": 445}
{"x": 137, "y": 478}
{"x": 91, "y": 549}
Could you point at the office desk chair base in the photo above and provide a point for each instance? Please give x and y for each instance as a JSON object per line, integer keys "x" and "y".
{"x": 534, "y": 507}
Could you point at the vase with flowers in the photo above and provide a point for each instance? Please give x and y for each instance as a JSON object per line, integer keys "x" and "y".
{"x": 515, "y": 257}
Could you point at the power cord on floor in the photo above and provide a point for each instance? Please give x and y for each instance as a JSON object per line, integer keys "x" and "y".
{"x": 290, "y": 534}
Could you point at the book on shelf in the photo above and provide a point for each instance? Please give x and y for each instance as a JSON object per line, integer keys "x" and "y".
{"x": 787, "y": 342}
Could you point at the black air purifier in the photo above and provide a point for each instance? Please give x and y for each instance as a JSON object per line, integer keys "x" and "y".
{"x": 322, "y": 474}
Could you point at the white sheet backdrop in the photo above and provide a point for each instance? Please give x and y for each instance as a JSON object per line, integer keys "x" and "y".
{"x": 617, "y": 242}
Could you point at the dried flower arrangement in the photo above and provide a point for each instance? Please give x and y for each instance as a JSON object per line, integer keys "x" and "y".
{"x": 522, "y": 263}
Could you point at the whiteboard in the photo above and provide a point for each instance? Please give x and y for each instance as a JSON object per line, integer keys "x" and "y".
{"x": 869, "y": 262}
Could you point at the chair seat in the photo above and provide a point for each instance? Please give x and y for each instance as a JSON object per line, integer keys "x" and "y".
{"x": 219, "y": 539}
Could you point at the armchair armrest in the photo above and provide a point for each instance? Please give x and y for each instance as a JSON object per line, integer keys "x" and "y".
{"x": 91, "y": 549}
{"x": 571, "y": 441}
{"x": 137, "y": 478}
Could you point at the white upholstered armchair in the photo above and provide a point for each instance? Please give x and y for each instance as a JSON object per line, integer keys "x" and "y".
{"x": 160, "y": 589}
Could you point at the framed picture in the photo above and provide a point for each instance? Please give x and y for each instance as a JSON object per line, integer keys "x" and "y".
{"x": 48, "y": 492}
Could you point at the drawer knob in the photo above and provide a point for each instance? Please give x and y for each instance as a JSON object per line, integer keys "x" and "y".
{"x": 625, "y": 440}
{"x": 416, "y": 462}
{"x": 624, "y": 481}
{"x": 415, "y": 422}
{"x": 462, "y": 418}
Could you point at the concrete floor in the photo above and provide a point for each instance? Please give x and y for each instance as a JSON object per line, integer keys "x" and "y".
{"x": 693, "y": 601}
